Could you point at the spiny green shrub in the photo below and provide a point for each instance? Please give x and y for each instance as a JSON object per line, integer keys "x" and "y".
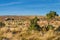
{"x": 34, "y": 25}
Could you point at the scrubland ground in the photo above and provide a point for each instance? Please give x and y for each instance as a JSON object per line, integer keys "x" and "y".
{"x": 11, "y": 29}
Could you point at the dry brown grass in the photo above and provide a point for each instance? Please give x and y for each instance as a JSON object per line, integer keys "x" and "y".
{"x": 21, "y": 32}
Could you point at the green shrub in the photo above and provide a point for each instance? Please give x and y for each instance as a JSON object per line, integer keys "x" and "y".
{"x": 58, "y": 38}
{"x": 44, "y": 29}
{"x": 14, "y": 32}
{"x": 51, "y": 14}
{"x": 58, "y": 29}
{"x": 34, "y": 38}
{"x": 4, "y": 38}
{"x": 24, "y": 39}
{"x": 9, "y": 19}
{"x": 2, "y": 24}
{"x": 49, "y": 27}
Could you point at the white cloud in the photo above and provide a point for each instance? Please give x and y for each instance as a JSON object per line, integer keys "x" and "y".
{"x": 11, "y": 3}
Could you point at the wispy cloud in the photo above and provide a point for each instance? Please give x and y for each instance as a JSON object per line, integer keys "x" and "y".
{"x": 11, "y": 3}
{"x": 49, "y": 5}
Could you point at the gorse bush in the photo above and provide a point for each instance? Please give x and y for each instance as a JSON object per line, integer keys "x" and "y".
{"x": 34, "y": 25}
{"x": 2, "y": 24}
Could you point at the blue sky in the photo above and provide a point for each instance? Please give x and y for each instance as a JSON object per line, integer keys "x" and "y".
{"x": 28, "y": 7}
